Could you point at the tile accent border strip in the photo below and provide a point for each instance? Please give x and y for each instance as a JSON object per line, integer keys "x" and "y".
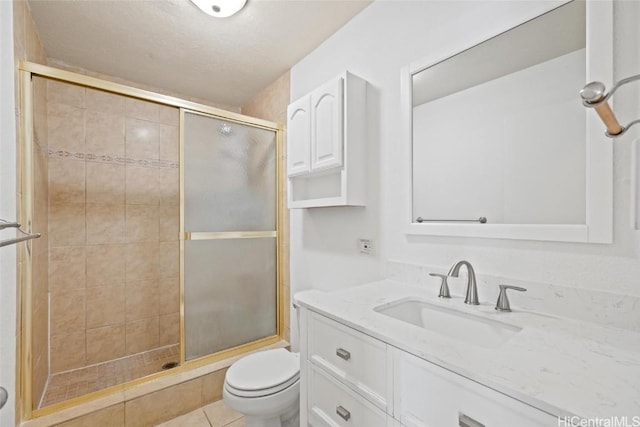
{"x": 107, "y": 158}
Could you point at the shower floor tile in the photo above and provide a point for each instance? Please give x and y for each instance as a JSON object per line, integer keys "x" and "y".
{"x": 70, "y": 384}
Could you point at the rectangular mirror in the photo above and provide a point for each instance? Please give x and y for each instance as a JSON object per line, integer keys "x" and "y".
{"x": 501, "y": 144}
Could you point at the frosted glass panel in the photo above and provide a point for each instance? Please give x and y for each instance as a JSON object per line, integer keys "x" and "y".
{"x": 230, "y": 176}
{"x": 230, "y": 293}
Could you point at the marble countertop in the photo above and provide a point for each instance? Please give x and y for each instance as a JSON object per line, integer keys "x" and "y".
{"x": 561, "y": 366}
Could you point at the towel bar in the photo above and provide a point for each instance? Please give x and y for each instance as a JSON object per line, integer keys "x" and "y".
{"x": 27, "y": 236}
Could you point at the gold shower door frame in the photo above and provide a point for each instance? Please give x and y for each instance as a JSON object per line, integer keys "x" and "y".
{"x": 24, "y": 367}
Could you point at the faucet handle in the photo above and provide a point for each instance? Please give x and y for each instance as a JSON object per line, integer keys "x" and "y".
{"x": 444, "y": 286}
{"x": 503, "y": 301}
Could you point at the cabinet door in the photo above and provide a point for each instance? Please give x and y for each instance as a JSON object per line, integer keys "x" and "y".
{"x": 430, "y": 396}
{"x": 298, "y": 136}
{"x": 327, "y": 125}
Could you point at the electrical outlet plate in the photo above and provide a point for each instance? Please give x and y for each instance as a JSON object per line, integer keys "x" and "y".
{"x": 365, "y": 246}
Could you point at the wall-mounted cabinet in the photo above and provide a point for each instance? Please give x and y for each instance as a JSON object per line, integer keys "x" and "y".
{"x": 326, "y": 164}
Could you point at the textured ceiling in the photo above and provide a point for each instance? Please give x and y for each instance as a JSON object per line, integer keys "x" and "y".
{"x": 171, "y": 44}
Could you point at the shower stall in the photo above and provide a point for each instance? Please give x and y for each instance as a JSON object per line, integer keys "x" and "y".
{"x": 161, "y": 236}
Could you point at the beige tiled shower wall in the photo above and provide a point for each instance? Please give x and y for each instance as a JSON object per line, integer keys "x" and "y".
{"x": 113, "y": 225}
{"x": 27, "y": 46}
{"x": 271, "y": 104}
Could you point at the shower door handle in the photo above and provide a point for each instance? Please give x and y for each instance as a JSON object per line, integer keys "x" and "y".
{"x": 3, "y": 396}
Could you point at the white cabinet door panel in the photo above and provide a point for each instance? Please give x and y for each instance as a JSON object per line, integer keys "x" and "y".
{"x": 333, "y": 404}
{"x": 430, "y": 396}
{"x": 326, "y": 125}
{"x": 299, "y": 136}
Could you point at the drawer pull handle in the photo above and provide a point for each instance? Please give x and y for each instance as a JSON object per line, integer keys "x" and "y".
{"x": 343, "y": 354}
{"x": 343, "y": 413}
{"x": 466, "y": 421}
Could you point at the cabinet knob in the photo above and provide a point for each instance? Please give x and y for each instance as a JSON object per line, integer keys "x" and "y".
{"x": 343, "y": 354}
{"x": 344, "y": 413}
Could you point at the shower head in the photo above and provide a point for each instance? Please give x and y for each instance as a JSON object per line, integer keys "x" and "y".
{"x": 225, "y": 129}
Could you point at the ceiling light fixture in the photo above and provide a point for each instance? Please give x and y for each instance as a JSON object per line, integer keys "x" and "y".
{"x": 220, "y": 8}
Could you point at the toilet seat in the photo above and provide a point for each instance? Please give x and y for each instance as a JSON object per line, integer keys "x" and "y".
{"x": 263, "y": 373}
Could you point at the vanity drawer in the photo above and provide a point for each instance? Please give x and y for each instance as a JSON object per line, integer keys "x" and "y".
{"x": 353, "y": 357}
{"x": 430, "y": 396}
{"x": 335, "y": 405}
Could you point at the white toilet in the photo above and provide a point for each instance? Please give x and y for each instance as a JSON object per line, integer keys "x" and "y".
{"x": 265, "y": 388}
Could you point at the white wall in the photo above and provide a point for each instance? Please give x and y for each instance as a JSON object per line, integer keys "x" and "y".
{"x": 7, "y": 211}
{"x": 375, "y": 45}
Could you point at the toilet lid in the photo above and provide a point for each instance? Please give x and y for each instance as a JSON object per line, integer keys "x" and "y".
{"x": 263, "y": 372}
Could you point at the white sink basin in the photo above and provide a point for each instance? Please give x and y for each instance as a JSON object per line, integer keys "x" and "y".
{"x": 464, "y": 327}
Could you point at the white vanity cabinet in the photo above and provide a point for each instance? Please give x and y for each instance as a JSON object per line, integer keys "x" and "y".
{"x": 352, "y": 379}
{"x": 325, "y": 145}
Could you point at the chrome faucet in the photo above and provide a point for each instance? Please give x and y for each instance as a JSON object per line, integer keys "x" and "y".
{"x": 471, "y": 296}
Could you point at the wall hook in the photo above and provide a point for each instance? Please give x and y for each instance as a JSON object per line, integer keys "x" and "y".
{"x": 594, "y": 96}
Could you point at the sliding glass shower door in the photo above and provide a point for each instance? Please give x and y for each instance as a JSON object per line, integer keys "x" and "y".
{"x": 229, "y": 234}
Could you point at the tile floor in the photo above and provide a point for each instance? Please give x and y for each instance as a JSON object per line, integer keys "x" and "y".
{"x": 69, "y": 384}
{"x": 216, "y": 414}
